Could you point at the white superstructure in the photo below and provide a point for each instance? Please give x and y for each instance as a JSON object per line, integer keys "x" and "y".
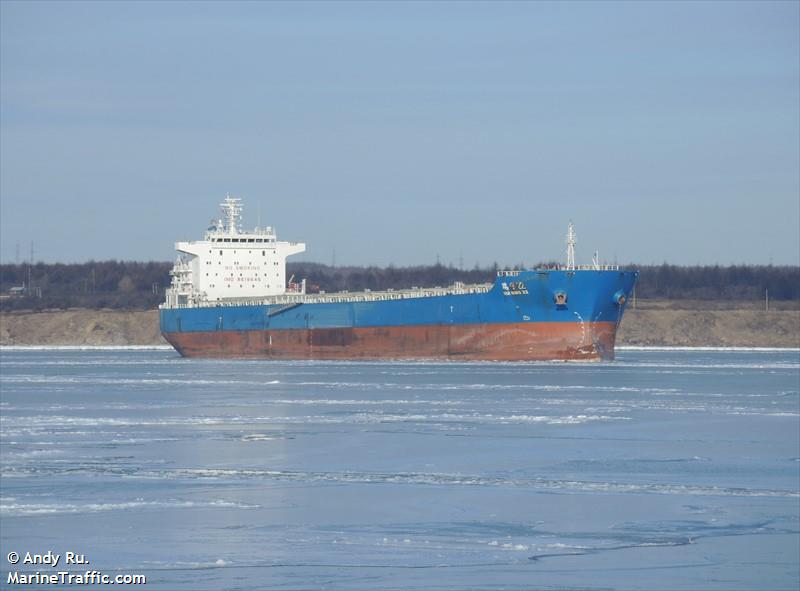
{"x": 230, "y": 263}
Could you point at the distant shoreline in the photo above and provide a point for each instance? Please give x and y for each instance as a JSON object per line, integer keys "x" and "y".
{"x": 652, "y": 324}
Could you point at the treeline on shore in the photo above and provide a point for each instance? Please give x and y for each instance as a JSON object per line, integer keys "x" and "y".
{"x": 141, "y": 285}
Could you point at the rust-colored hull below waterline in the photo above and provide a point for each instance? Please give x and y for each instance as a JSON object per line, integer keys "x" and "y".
{"x": 524, "y": 341}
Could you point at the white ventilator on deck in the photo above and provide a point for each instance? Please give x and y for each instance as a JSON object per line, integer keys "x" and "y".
{"x": 571, "y": 241}
{"x": 230, "y": 263}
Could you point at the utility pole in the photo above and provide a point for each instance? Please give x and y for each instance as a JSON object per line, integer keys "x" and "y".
{"x": 766, "y": 300}
{"x": 30, "y": 272}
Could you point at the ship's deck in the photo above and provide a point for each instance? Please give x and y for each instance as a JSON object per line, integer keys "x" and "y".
{"x": 342, "y": 296}
{"x": 457, "y": 288}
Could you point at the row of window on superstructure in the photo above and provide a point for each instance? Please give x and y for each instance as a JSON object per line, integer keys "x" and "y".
{"x": 263, "y": 253}
{"x": 242, "y": 240}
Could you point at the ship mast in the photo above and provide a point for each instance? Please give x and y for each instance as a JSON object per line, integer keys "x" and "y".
{"x": 232, "y": 211}
{"x": 571, "y": 241}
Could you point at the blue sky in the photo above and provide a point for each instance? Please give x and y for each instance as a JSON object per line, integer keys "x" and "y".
{"x": 396, "y": 132}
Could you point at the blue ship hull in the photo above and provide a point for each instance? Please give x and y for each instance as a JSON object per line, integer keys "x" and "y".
{"x": 544, "y": 314}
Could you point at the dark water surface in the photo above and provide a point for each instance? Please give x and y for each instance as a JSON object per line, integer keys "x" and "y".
{"x": 663, "y": 470}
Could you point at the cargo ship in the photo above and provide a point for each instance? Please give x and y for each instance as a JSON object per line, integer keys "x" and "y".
{"x": 229, "y": 298}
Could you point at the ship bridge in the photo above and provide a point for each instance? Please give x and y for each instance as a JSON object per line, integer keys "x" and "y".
{"x": 230, "y": 263}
